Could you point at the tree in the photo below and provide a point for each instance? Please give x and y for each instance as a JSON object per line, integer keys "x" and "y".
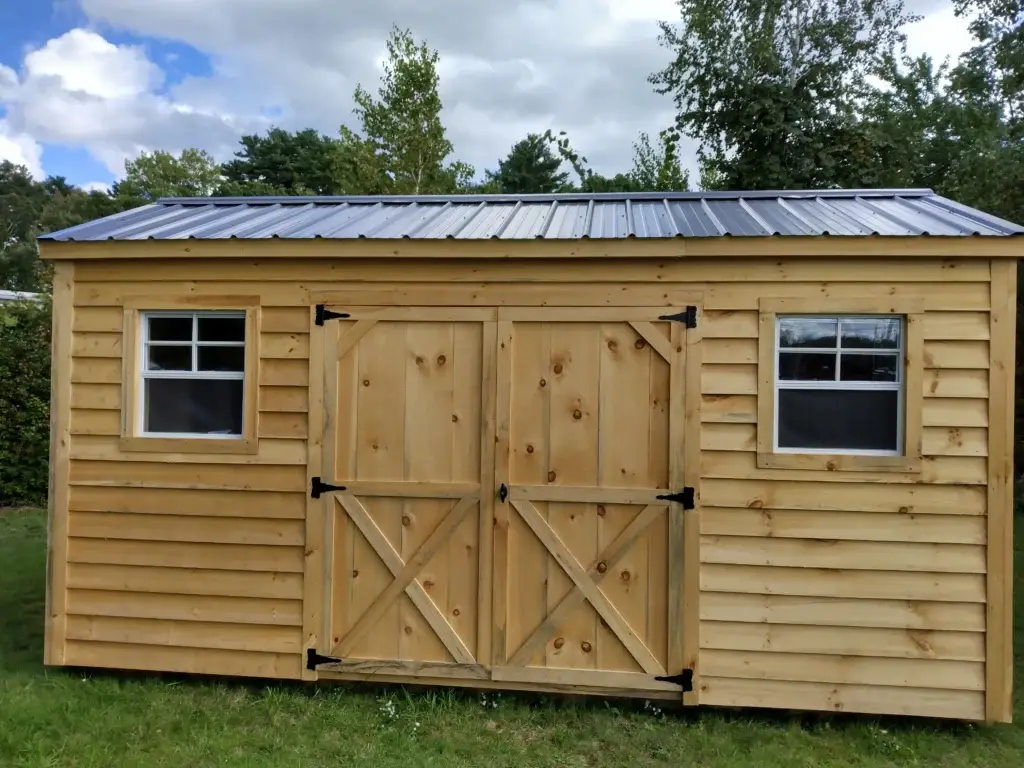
{"x": 998, "y": 28}
{"x": 402, "y": 125}
{"x": 283, "y": 163}
{"x": 21, "y": 201}
{"x": 657, "y": 169}
{"x": 152, "y": 175}
{"x": 530, "y": 168}
{"x": 786, "y": 117}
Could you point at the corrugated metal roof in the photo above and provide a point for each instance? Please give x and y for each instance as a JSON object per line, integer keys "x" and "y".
{"x": 906, "y": 212}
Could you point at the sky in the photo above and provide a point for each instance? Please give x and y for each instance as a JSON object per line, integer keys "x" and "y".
{"x": 87, "y": 84}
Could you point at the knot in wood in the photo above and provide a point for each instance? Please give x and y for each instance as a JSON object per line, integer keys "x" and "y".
{"x": 406, "y": 521}
{"x": 586, "y": 646}
{"x": 529, "y": 449}
{"x": 355, "y": 574}
{"x": 408, "y": 630}
{"x": 441, "y": 359}
{"x": 600, "y": 510}
{"x": 456, "y": 612}
{"x": 613, "y": 345}
{"x": 428, "y": 584}
{"x": 625, "y": 576}
{"x": 543, "y": 383}
{"x": 558, "y": 368}
{"x": 455, "y": 418}
{"x": 577, "y": 414}
{"x": 559, "y": 642}
{"x": 419, "y": 360}
{"x": 602, "y": 567}
{"x": 551, "y": 476}
{"x": 640, "y": 344}
{"x": 366, "y": 382}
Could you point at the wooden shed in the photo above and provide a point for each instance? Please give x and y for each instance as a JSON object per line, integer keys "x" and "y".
{"x": 738, "y": 449}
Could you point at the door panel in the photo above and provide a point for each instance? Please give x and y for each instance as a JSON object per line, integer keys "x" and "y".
{"x": 405, "y": 392}
{"x": 591, "y": 408}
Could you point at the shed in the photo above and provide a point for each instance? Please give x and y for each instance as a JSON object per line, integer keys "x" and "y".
{"x": 738, "y": 449}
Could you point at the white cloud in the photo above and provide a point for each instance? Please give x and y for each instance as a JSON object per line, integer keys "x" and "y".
{"x": 96, "y": 186}
{"x": 21, "y": 149}
{"x": 507, "y": 69}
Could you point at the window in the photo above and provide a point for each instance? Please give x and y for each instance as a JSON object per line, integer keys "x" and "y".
{"x": 840, "y": 385}
{"x": 191, "y": 384}
{"x": 193, "y": 371}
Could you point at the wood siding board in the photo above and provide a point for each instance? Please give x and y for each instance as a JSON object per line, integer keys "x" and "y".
{"x": 999, "y": 651}
{"x": 61, "y": 402}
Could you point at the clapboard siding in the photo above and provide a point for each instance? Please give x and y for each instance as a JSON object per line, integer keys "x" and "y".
{"x": 847, "y": 591}
{"x": 813, "y": 579}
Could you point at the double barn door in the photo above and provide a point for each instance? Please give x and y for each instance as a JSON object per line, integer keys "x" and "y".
{"x": 501, "y": 515}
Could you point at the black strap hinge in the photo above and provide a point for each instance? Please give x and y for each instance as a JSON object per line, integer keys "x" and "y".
{"x": 319, "y": 487}
{"x": 314, "y": 659}
{"x": 687, "y": 317}
{"x": 684, "y": 678}
{"x": 684, "y": 497}
{"x": 323, "y": 314}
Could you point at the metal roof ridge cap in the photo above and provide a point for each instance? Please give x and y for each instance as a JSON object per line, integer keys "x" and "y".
{"x": 796, "y": 215}
{"x": 891, "y": 217}
{"x": 630, "y": 221}
{"x": 671, "y": 218}
{"x": 428, "y": 219}
{"x": 756, "y": 217}
{"x": 466, "y": 221}
{"x": 549, "y": 218}
{"x": 722, "y": 231}
{"x": 508, "y": 220}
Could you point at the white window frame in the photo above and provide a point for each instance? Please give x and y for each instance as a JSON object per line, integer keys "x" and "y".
{"x": 897, "y": 386}
{"x": 195, "y": 374}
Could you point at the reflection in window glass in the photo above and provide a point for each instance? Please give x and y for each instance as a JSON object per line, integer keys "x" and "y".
{"x": 817, "y": 333}
{"x": 870, "y": 333}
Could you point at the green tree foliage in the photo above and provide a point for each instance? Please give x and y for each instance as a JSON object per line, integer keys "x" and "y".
{"x": 283, "y": 163}
{"x": 769, "y": 87}
{"x": 657, "y": 169}
{"x": 24, "y": 402}
{"x": 193, "y": 173}
{"x": 402, "y": 126}
{"x": 531, "y": 167}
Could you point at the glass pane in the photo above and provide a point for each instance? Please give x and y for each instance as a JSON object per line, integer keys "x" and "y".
{"x": 871, "y": 332}
{"x": 807, "y": 366}
{"x": 222, "y": 359}
{"x": 222, "y": 328}
{"x": 169, "y": 358}
{"x": 807, "y": 332}
{"x": 838, "y": 420}
{"x": 194, "y": 406}
{"x": 170, "y": 328}
{"x": 868, "y": 367}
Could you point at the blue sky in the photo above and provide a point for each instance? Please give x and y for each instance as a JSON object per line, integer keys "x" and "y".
{"x": 85, "y": 84}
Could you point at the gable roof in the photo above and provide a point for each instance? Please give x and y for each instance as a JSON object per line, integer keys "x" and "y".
{"x": 898, "y": 212}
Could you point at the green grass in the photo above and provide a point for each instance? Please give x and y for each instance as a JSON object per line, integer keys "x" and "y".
{"x": 70, "y": 718}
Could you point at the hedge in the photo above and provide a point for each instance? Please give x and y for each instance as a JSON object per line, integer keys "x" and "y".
{"x": 24, "y": 402}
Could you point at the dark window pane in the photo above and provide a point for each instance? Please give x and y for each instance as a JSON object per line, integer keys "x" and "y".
{"x": 838, "y": 420}
{"x": 807, "y": 366}
{"x": 868, "y": 367}
{"x": 170, "y": 328}
{"x": 194, "y": 406}
{"x": 807, "y": 332}
{"x": 170, "y": 358}
{"x": 222, "y": 329}
{"x": 221, "y": 358}
{"x": 871, "y": 332}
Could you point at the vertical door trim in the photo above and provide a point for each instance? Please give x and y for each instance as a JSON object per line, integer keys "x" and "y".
{"x": 502, "y": 457}
{"x": 692, "y": 399}
{"x": 488, "y": 492}
{"x": 316, "y": 584}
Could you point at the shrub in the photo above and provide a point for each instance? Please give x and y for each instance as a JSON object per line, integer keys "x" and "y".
{"x": 24, "y": 402}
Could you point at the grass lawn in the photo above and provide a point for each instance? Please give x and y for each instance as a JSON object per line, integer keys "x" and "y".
{"x": 67, "y": 718}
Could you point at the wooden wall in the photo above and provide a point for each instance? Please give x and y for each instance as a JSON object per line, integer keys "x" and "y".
{"x": 838, "y": 591}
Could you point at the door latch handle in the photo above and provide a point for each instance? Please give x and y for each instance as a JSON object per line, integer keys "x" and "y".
{"x": 503, "y": 493}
